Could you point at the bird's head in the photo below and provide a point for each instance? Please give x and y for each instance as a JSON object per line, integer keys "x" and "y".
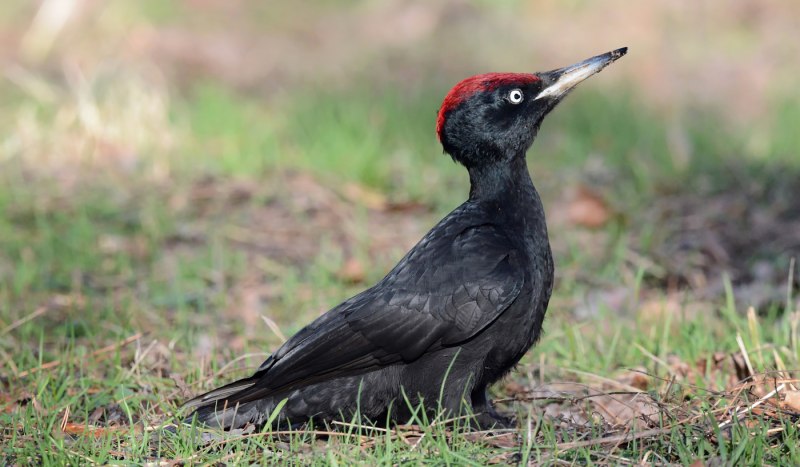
{"x": 495, "y": 116}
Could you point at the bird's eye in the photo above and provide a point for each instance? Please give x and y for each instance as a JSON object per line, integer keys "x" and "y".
{"x": 515, "y": 96}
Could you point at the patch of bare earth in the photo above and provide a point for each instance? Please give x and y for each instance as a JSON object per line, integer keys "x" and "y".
{"x": 689, "y": 242}
{"x": 747, "y": 231}
{"x": 300, "y": 216}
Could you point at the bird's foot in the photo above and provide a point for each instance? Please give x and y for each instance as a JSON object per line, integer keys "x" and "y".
{"x": 492, "y": 420}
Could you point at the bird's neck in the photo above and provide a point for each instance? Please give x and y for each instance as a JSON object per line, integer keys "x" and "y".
{"x": 507, "y": 194}
{"x": 506, "y": 190}
{"x": 502, "y": 181}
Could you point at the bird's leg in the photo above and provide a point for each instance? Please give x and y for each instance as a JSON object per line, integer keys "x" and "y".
{"x": 486, "y": 417}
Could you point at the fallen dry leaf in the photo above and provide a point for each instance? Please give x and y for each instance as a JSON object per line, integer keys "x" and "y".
{"x": 352, "y": 271}
{"x": 9, "y": 403}
{"x": 410, "y": 434}
{"x": 678, "y": 367}
{"x": 80, "y": 429}
{"x": 635, "y": 378}
{"x": 512, "y": 388}
{"x": 621, "y": 410}
{"x": 503, "y": 440}
{"x": 407, "y": 207}
{"x": 588, "y": 209}
{"x": 504, "y": 458}
{"x": 791, "y": 401}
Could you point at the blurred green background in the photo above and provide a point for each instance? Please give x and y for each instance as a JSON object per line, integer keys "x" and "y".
{"x": 116, "y": 114}
{"x": 207, "y": 172}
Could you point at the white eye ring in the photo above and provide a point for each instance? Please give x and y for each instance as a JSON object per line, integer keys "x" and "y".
{"x": 515, "y": 96}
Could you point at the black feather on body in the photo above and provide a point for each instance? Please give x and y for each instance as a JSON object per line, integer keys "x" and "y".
{"x": 467, "y": 302}
{"x": 458, "y": 311}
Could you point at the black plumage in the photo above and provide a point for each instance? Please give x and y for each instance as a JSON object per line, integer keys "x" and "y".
{"x": 458, "y": 311}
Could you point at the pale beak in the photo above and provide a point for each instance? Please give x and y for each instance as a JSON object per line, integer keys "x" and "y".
{"x": 564, "y": 79}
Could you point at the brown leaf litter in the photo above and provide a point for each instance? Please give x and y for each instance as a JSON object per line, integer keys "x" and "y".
{"x": 638, "y": 406}
{"x": 588, "y": 208}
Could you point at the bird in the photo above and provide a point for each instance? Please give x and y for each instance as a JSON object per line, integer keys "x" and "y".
{"x": 459, "y": 310}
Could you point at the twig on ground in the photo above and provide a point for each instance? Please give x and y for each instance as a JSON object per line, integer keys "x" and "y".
{"x": 616, "y": 439}
{"x": 36, "y": 313}
{"x": 757, "y": 403}
{"x": 603, "y": 379}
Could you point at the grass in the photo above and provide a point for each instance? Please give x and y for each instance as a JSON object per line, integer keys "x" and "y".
{"x": 126, "y": 285}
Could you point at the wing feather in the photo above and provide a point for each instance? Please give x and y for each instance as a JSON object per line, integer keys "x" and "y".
{"x": 454, "y": 283}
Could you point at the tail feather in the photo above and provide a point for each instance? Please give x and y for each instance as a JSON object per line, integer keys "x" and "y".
{"x": 226, "y": 417}
{"x": 220, "y": 408}
{"x": 220, "y": 394}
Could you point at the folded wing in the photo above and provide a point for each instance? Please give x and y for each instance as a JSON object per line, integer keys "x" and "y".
{"x": 447, "y": 289}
